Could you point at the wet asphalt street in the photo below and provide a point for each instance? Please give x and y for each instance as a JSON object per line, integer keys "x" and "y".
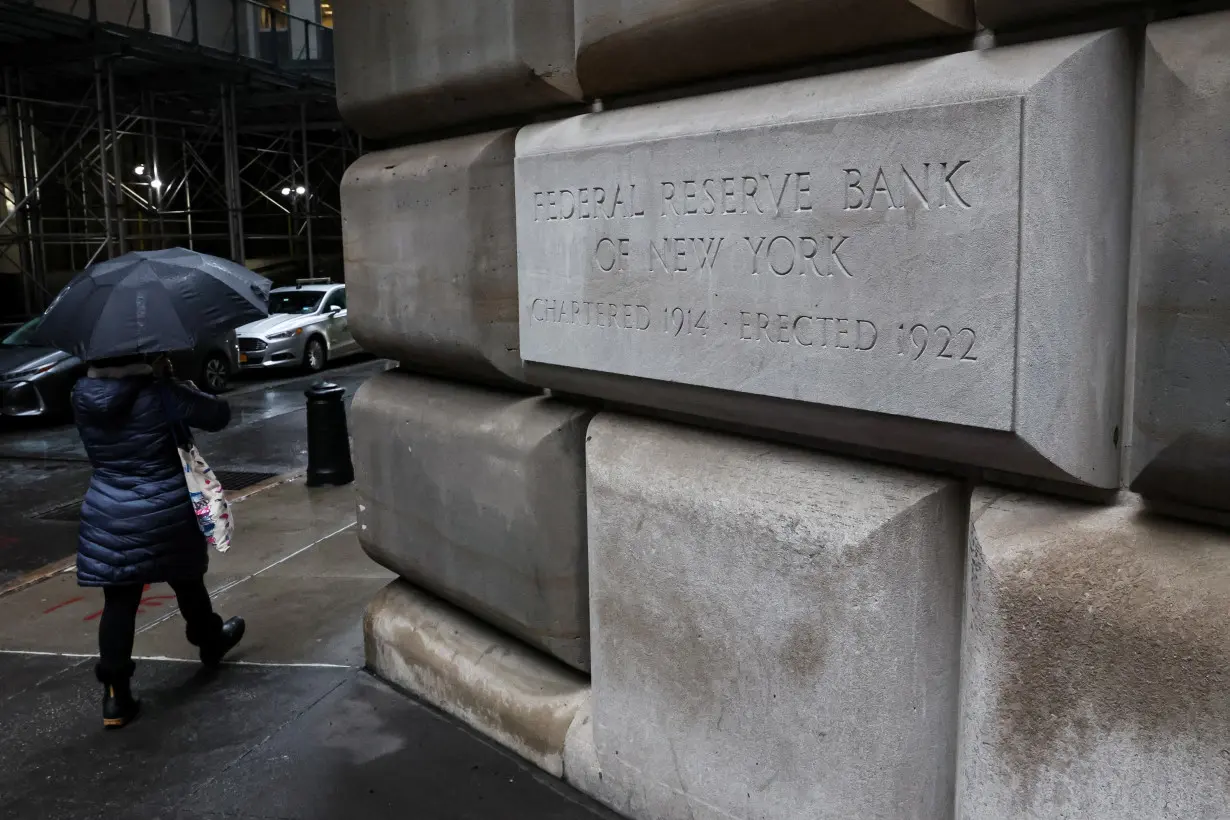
{"x": 44, "y": 471}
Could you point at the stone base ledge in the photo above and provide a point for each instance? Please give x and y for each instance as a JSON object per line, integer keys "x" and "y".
{"x": 519, "y": 698}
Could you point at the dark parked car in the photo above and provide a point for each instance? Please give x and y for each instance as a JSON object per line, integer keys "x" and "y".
{"x": 37, "y": 381}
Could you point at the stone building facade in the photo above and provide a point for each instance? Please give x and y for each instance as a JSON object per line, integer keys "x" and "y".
{"x": 807, "y": 408}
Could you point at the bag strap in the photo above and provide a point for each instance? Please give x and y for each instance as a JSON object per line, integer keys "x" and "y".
{"x": 180, "y": 431}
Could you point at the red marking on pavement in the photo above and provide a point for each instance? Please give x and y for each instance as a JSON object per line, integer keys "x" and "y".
{"x": 150, "y": 601}
{"x": 63, "y": 604}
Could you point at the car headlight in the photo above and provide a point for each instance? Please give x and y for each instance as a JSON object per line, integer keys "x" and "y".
{"x": 285, "y": 334}
{"x": 32, "y": 372}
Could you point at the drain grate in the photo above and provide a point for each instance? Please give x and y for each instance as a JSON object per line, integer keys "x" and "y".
{"x": 231, "y": 480}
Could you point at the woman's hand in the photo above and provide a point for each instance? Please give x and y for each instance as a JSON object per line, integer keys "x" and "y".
{"x": 163, "y": 368}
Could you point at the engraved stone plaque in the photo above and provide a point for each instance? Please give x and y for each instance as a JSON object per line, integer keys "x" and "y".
{"x": 825, "y": 270}
{"x": 940, "y": 242}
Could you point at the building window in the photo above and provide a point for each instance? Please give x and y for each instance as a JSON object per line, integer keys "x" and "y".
{"x": 273, "y": 15}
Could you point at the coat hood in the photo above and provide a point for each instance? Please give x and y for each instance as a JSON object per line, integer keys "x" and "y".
{"x": 103, "y": 400}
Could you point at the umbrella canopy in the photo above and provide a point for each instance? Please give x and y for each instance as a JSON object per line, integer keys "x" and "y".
{"x": 152, "y": 302}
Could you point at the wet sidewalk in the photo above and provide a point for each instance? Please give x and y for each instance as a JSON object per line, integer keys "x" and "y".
{"x": 44, "y": 470}
{"x": 290, "y": 727}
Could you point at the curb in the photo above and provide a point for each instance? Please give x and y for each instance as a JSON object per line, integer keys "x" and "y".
{"x": 268, "y": 484}
{"x": 39, "y": 575}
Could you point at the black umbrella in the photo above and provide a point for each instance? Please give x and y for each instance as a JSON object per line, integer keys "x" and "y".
{"x": 152, "y": 302}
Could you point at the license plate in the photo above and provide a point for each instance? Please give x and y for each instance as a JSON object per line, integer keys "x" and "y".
{"x": 243, "y": 358}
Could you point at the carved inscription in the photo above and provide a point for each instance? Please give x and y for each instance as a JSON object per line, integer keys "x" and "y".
{"x": 807, "y": 330}
{"x": 894, "y": 188}
{"x": 930, "y": 185}
{"x": 814, "y": 256}
{"x": 869, "y": 262}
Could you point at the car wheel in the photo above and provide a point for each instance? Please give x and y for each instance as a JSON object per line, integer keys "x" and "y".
{"x": 314, "y": 356}
{"x": 215, "y": 374}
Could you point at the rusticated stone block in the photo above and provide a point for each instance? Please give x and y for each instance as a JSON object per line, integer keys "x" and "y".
{"x": 775, "y": 632}
{"x": 1180, "y": 446}
{"x": 927, "y": 259}
{"x": 479, "y": 497}
{"x": 431, "y": 256}
{"x": 414, "y": 65}
{"x": 1096, "y": 664}
{"x": 632, "y": 45}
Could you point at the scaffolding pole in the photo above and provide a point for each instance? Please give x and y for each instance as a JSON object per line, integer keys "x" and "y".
{"x": 307, "y": 191}
{"x": 117, "y": 173}
{"x": 17, "y": 179}
{"x": 187, "y": 186}
{"x": 222, "y": 175}
{"x": 108, "y": 203}
{"x": 34, "y": 211}
{"x": 234, "y": 191}
{"x": 238, "y": 185}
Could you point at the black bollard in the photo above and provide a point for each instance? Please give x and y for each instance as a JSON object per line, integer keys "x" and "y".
{"x": 328, "y": 437}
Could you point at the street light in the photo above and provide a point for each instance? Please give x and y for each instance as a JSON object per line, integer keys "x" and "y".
{"x": 286, "y": 192}
{"x": 300, "y": 190}
{"x": 155, "y": 183}
{"x": 139, "y": 170}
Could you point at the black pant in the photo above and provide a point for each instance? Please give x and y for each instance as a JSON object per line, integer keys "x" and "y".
{"x": 117, "y": 627}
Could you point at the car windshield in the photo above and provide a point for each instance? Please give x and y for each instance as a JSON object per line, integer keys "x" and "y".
{"x": 21, "y": 336}
{"x": 295, "y": 301}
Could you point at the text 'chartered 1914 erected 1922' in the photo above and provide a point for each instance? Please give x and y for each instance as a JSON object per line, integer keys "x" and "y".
{"x": 868, "y": 262}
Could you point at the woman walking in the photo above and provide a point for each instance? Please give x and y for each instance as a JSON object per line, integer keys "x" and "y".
{"x": 138, "y": 522}
{"x": 138, "y": 525}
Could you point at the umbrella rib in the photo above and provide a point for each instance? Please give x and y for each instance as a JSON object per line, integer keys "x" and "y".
{"x": 175, "y": 307}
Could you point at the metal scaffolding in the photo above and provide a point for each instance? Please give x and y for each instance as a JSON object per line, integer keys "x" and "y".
{"x": 107, "y": 147}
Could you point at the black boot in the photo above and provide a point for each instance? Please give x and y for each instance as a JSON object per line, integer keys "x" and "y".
{"x": 227, "y": 638}
{"x": 119, "y": 706}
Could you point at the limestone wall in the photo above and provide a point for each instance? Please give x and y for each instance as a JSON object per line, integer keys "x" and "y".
{"x": 415, "y": 65}
{"x": 820, "y": 240}
{"x": 773, "y": 633}
{"x": 429, "y": 235}
{"x": 1180, "y": 421}
{"x": 884, "y": 471}
{"x": 1096, "y": 660}
{"x": 497, "y": 518}
{"x": 634, "y": 45}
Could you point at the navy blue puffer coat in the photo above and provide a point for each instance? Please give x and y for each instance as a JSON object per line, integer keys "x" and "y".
{"x": 137, "y": 522}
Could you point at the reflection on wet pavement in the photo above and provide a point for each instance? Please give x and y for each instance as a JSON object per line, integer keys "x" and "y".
{"x": 43, "y": 466}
